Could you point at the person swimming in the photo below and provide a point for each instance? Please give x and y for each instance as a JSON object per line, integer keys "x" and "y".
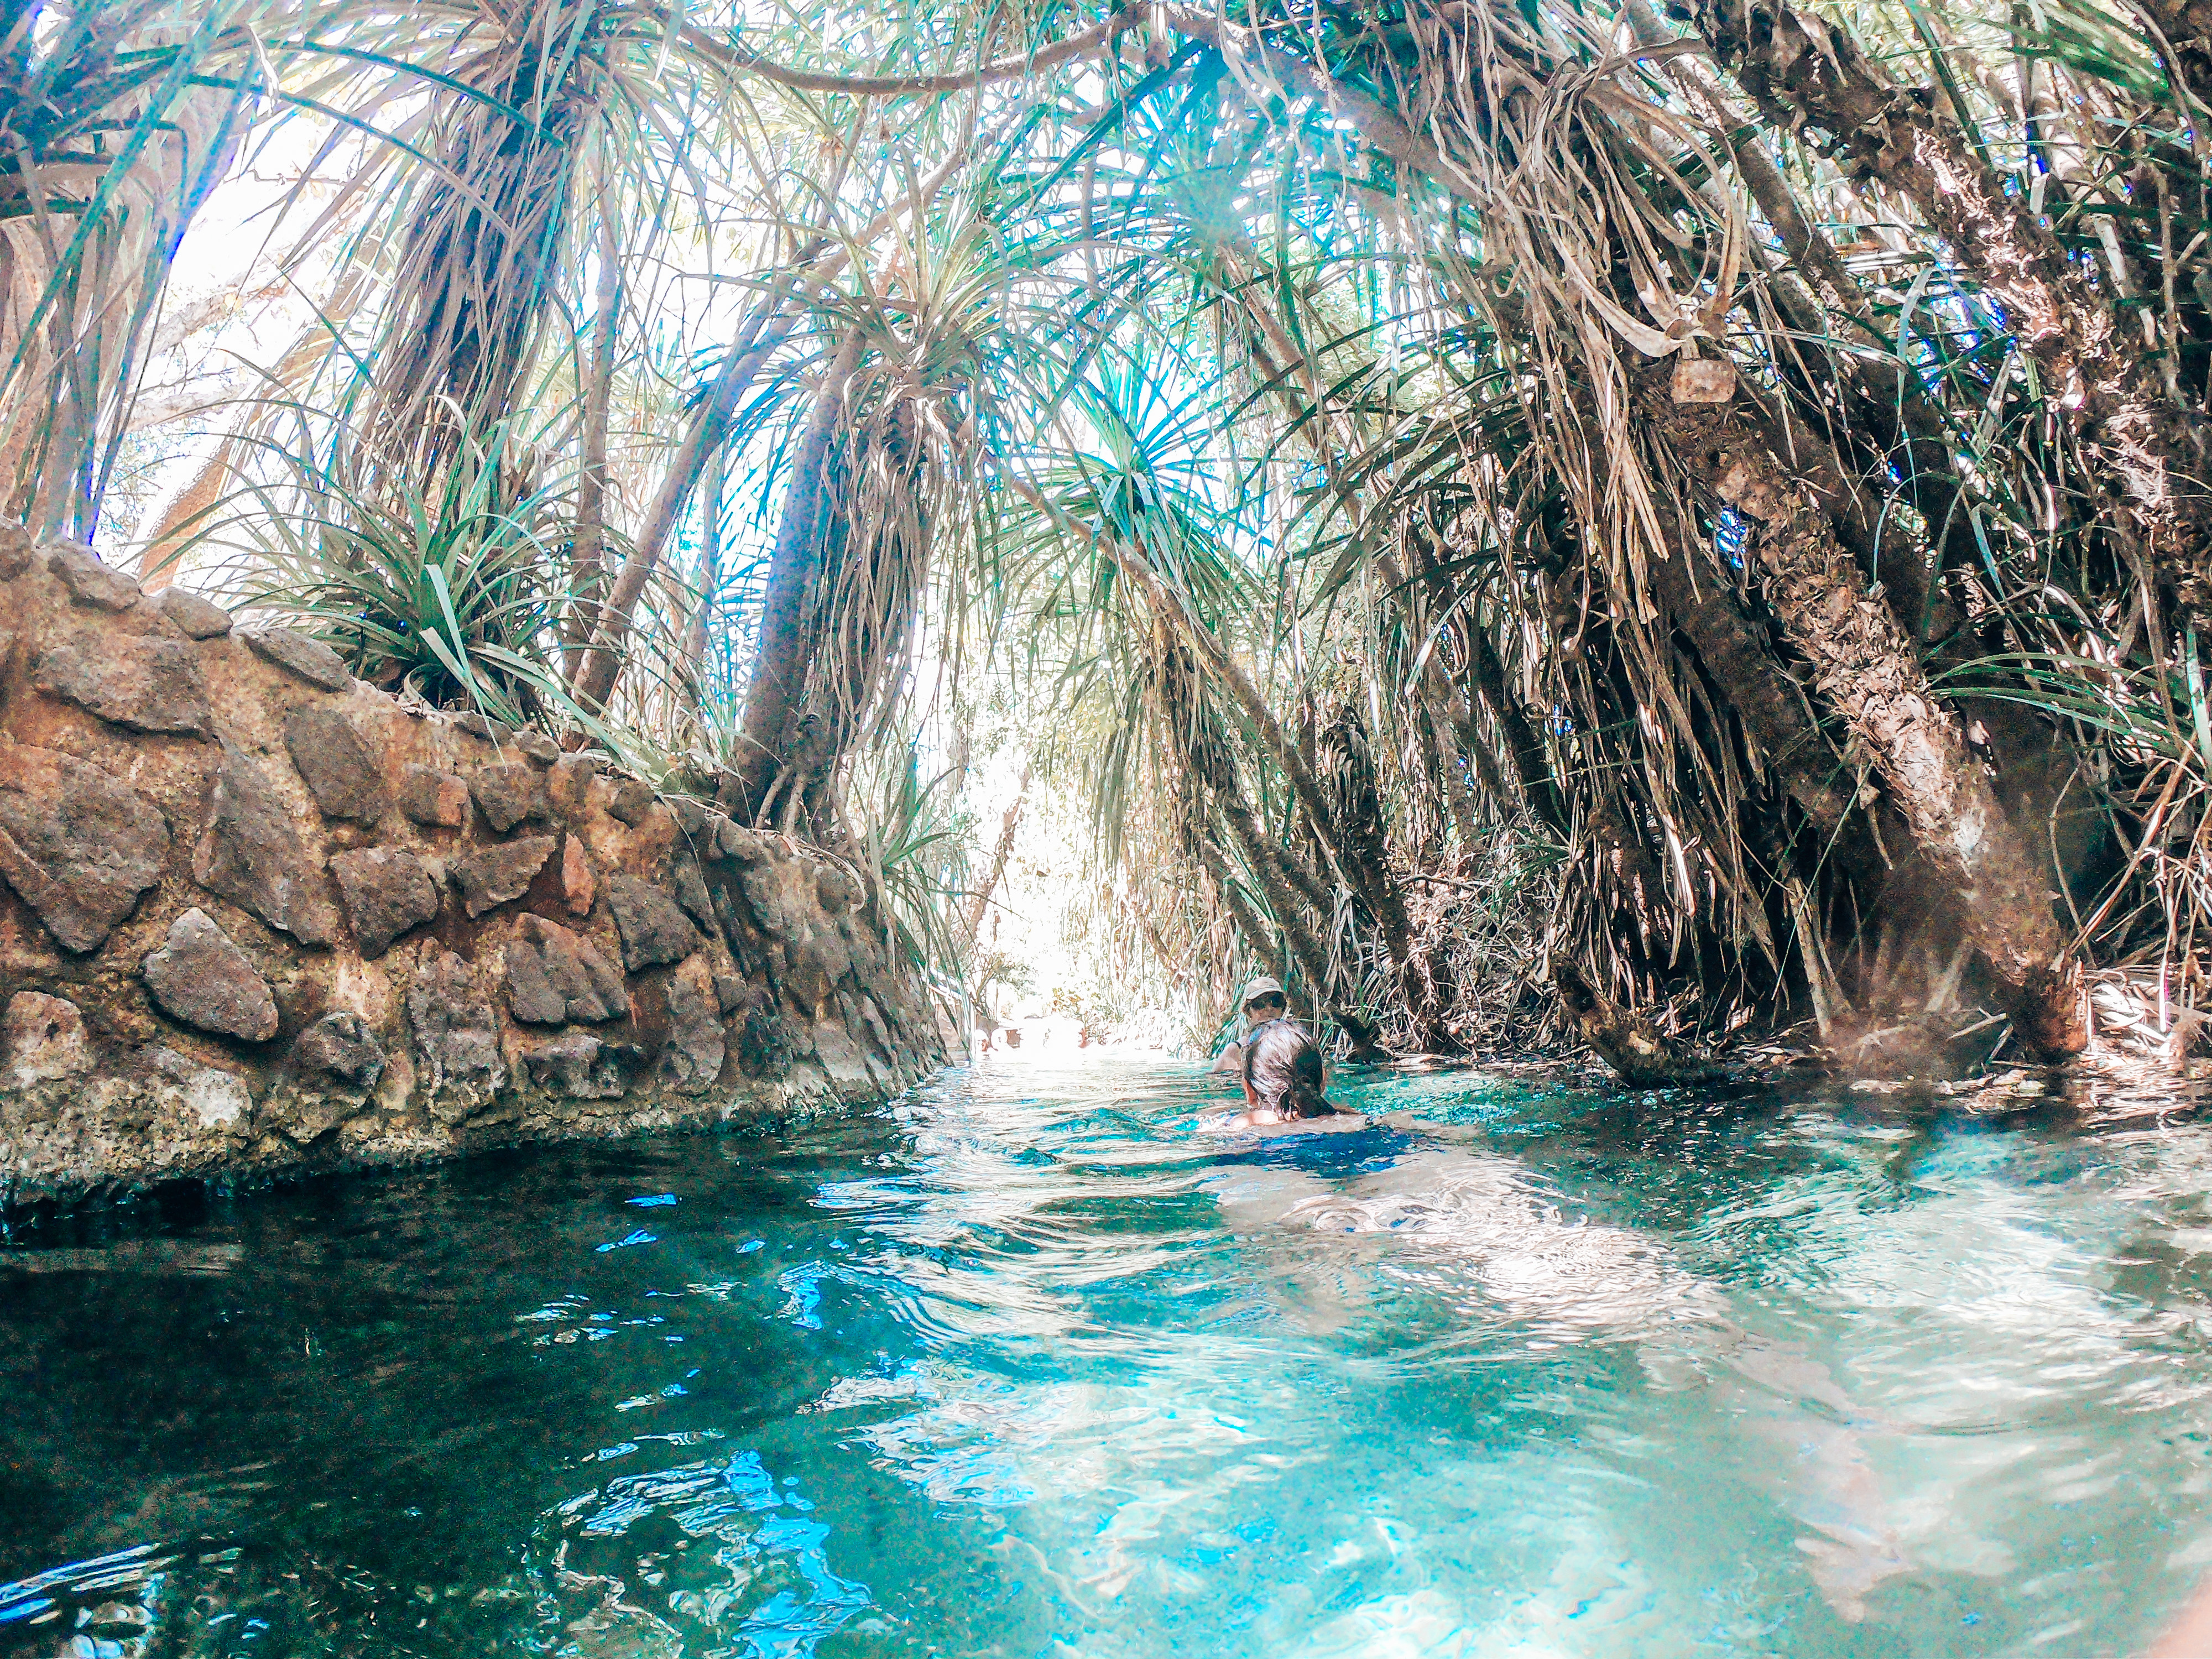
{"x": 1281, "y": 1067}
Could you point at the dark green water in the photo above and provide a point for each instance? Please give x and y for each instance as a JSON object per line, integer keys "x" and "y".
{"x": 1022, "y": 1367}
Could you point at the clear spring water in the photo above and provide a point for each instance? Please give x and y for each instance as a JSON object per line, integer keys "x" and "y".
{"x": 1020, "y": 1366}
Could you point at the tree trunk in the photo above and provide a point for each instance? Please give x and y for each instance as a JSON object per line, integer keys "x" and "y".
{"x": 973, "y": 928}
{"x": 586, "y": 573}
{"x": 1870, "y": 671}
{"x": 778, "y": 682}
{"x": 1814, "y": 76}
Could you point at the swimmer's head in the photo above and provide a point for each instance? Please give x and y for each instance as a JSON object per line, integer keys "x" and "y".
{"x": 1264, "y": 998}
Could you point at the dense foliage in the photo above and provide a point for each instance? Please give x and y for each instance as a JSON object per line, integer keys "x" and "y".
{"x": 1719, "y": 500}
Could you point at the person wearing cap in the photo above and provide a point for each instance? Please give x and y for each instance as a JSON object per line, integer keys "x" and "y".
{"x": 1282, "y": 1067}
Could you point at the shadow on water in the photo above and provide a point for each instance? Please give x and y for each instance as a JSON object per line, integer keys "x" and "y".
{"x": 1022, "y": 1365}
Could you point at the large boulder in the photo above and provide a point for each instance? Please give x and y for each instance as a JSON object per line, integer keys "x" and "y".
{"x": 78, "y": 845}
{"x": 202, "y": 978}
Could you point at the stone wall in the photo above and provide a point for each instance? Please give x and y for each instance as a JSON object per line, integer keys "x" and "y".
{"x": 255, "y": 914}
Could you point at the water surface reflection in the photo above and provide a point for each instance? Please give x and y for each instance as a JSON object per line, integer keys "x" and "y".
{"x": 1021, "y": 1367}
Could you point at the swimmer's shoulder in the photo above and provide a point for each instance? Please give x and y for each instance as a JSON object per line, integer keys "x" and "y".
{"x": 1240, "y": 1123}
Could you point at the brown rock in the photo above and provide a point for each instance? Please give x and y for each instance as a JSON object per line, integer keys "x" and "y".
{"x": 90, "y": 583}
{"x": 457, "y": 1033}
{"x": 42, "y": 1040}
{"x": 492, "y": 875}
{"x": 730, "y": 992}
{"x": 577, "y": 885}
{"x": 201, "y": 978}
{"x": 506, "y": 795}
{"x": 433, "y": 797}
{"x": 554, "y": 976}
{"x": 15, "y": 549}
{"x": 77, "y": 845}
{"x": 691, "y": 1058}
{"x": 386, "y": 891}
{"x": 297, "y": 654}
{"x": 568, "y": 785}
{"x": 578, "y": 1066}
{"x": 145, "y": 683}
{"x": 653, "y": 930}
{"x": 192, "y": 615}
{"x": 537, "y": 746}
{"x": 342, "y": 1045}
{"x": 632, "y": 801}
{"x": 691, "y": 893}
{"x": 251, "y": 854}
{"x": 764, "y": 1041}
{"x": 340, "y": 772}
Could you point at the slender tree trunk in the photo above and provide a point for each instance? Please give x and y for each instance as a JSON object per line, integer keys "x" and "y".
{"x": 710, "y": 580}
{"x": 183, "y": 519}
{"x": 586, "y": 565}
{"x": 1870, "y": 671}
{"x": 972, "y": 929}
{"x": 778, "y": 682}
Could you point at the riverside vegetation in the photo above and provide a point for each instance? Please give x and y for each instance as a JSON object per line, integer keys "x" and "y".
{"x": 1705, "y": 512}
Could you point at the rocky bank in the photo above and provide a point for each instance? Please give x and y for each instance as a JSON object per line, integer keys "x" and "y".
{"x": 256, "y": 915}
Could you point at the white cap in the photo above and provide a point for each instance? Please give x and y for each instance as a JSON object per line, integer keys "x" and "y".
{"x": 1263, "y": 987}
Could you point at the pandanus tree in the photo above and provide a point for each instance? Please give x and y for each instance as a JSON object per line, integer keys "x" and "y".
{"x": 1749, "y": 460}
{"x": 115, "y": 121}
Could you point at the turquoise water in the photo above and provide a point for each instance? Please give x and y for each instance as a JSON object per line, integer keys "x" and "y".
{"x": 1021, "y": 1367}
